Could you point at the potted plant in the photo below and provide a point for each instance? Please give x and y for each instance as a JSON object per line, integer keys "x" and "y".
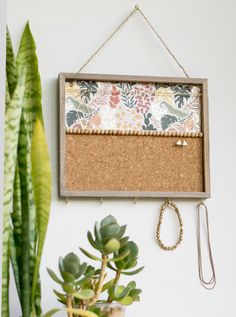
{"x": 85, "y": 289}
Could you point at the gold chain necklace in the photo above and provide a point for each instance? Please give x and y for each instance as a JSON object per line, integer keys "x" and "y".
{"x": 167, "y": 204}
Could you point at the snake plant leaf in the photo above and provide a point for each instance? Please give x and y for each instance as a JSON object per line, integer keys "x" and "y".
{"x": 109, "y": 220}
{"x": 14, "y": 263}
{"x": 7, "y": 96}
{"x": 27, "y": 58}
{"x": 89, "y": 255}
{"x": 28, "y": 216}
{"x": 12, "y": 123}
{"x": 16, "y": 231}
{"x": 37, "y": 301}
{"x": 85, "y": 294}
{"x": 11, "y": 68}
{"x": 54, "y": 276}
{"x": 52, "y": 312}
{"x": 133, "y": 272}
{"x": 41, "y": 178}
{"x": 16, "y": 214}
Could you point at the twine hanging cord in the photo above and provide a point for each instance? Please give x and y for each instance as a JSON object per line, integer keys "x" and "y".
{"x": 136, "y": 9}
{"x": 209, "y": 285}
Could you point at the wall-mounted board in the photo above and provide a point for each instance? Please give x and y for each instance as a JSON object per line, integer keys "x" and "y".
{"x": 133, "y": 136}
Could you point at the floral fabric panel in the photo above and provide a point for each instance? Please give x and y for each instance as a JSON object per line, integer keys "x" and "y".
{"x": 132, "y": 106}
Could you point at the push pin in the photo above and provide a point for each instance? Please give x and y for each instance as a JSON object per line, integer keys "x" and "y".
{"x": 179, "y": 143}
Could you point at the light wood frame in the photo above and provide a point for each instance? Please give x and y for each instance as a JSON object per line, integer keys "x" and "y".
{"x": 63, "y": 192}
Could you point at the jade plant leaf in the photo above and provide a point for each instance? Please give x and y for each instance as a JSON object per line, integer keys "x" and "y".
{"x": 54, "y": 276}
{"x": 82, "y": 312}
{"x": 85, "y": 294}
{"x": 89, "y": 255}
{"x": 109, "y": 220}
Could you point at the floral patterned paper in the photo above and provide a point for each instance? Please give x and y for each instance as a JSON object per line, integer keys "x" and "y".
{"x": 132, "y": 106}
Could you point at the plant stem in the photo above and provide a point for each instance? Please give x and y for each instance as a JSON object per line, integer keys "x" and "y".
{"x": 69, "y": 306}
{"x": 116, "y": 281}
{"x": 100, "y": 280}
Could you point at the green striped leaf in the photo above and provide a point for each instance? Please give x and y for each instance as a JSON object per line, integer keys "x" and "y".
{"x": 41, "y": 177}
{"x": 14, "y": 263}
{"x": 28, "y": 216}
{"x": 12, "y": 123}
{"x": 11, "y": 68}
{"x": 16, "y": 231}
{"x": 27, "y": 58}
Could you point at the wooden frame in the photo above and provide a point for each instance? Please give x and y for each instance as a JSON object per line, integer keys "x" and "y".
{"x": 63, "y": 192}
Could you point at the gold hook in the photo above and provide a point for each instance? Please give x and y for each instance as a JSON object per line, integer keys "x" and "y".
{"x": 136, "y": 7}
{"x": 101, "y": 200}
{"x": 135, "y": 200}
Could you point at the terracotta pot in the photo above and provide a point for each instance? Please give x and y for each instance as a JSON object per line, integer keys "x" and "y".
{"x": 112, "y": 310}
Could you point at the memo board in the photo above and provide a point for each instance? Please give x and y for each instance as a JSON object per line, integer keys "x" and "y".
{"x": 133, "y": 136}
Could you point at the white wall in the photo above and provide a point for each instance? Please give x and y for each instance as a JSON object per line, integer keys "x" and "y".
{"x": 202, "y": 35}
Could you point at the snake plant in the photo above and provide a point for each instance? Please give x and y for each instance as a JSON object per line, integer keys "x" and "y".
{"x": 83, "y": 286}
{"x": 27, "y": 178}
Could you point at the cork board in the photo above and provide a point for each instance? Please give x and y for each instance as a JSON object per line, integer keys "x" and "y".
{"x": 133, "y": 136}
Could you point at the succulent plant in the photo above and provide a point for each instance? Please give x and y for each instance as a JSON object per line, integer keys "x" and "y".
{"x": 107, "y": 235}
{"x": 82, "y": 284}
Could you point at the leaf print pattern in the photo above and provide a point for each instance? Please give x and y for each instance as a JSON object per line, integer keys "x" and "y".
{"x": 87, "y": 88}
{"x": 132, "y": 106}
{"x": 167, "y": 120}
{"x": 127, "y": 94}
{"x": 182, "y": 93}
{"x": 147, "y": 125}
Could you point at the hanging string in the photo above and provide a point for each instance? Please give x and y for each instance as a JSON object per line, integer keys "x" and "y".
{"x": 136, "y": 9}
{"x": 209, "y": 285}
{"x": 162, "y": 41}
{"x": 107, "y": 40}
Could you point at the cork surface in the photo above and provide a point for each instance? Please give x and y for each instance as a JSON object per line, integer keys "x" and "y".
{"x": 133, "y": 163}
